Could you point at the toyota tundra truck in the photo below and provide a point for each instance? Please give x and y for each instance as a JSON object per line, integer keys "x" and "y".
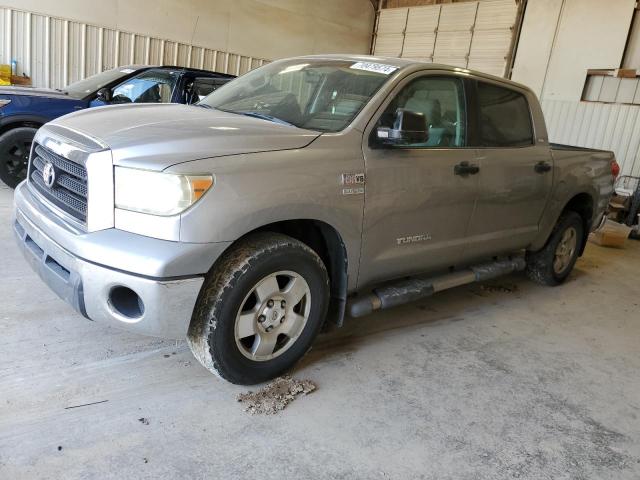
{"x": 307, "y": 190}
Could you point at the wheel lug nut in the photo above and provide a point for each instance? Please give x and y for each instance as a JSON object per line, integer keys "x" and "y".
{"x": 283, "y": 304}
{"x": 269, "y": 328}
{"x": 282, "y": 320}
{"x": 270, "y": 303}
{"x": 261, "y": 318}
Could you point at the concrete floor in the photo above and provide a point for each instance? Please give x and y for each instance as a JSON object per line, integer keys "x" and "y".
{"x": 475, "y": 383}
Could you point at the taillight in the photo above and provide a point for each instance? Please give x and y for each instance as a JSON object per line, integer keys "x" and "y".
{"x": 615, "y": 169}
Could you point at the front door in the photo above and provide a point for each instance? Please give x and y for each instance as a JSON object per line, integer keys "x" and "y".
{"x": 417, "y": 209}
{"x": 515, "y": 176}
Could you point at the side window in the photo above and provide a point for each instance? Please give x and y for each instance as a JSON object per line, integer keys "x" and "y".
{"x": 505, "y": 120}
{"x": 152, "y": 86}
{"x": 201, "y": 87}
{"x": 441, "y": 101}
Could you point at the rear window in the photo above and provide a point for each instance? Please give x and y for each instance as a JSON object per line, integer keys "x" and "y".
{"x": 505, "y": 120}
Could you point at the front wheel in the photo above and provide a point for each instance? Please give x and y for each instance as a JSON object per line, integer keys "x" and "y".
{"x": 259, "y": 309}
{"x": 553, "y": 264}
{"x": 15, "y": 146}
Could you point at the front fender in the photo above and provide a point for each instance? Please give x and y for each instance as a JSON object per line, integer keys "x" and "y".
{"x": 254, "y": 190}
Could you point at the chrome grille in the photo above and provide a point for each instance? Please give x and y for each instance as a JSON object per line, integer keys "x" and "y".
{"x": 69, "y": 190}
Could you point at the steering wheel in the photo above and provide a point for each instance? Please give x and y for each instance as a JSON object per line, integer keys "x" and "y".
{"x": 120, "y": 99}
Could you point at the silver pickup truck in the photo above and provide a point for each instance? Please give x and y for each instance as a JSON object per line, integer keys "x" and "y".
{"x": 307, "y": 189}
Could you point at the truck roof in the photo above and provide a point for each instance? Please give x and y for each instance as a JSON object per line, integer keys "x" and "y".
{"x": 408, "y": 63}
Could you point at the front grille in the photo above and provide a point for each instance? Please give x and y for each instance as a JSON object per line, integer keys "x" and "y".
{"x": 69, "y": 190}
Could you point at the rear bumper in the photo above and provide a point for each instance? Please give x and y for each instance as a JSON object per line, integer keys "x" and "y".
{"x": 167, "y": 303}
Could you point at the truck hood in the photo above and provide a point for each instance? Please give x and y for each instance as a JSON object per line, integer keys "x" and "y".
{"x": 34, "y": 92}
{"x": 157, "y": 136}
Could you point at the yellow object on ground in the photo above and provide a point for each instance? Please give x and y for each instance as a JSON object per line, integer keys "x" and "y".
{"x": 5, "y": 74}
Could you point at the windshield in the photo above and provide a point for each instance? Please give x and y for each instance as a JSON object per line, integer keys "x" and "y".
{"x": 82, "y": 88}
{"x": 323, "y": 95}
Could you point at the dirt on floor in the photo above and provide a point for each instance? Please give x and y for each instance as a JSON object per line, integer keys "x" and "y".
{"x": 276, "y": 395}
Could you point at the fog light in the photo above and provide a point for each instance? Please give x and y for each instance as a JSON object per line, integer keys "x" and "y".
{"x": 126, "y": 302}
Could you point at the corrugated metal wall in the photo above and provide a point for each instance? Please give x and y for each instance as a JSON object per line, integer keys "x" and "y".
{"x": 606, "y": 126}
{"x": 55, "y": 52}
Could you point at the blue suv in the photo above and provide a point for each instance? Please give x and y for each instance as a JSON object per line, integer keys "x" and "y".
{"x": 24, "y": 109}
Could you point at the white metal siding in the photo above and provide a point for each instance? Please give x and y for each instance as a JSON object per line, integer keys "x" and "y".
{"x": 597, "y": 125}
{"x": 476, "y": 35}
{"x": 390, "y": 32}
{"x": 55, "y": 52}
{"x": 420, "y": 34}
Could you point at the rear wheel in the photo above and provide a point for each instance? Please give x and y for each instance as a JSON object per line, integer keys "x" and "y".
{"x": 553, "y": 264}
{"x": 259, "y": 309}
{"x": 15, "y": 146}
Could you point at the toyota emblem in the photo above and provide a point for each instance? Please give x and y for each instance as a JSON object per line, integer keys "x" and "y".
{"x": 49, "y": 174}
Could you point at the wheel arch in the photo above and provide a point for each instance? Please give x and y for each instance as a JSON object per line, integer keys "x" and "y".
{"x": 326, "y": 241}
{"x": 583, "y": 204}
{"x": 11, "y": 122}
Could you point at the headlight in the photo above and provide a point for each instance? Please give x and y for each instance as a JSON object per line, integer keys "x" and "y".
{"x": 158, "y": 193}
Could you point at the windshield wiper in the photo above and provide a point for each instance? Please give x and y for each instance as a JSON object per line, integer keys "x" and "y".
{"x": 203, "y": 105}
{"x": 264, "y": 116}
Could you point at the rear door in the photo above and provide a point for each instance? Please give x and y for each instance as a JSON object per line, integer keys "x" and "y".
{"x": 515, "y": 175}
{"x": 417, "y": 209}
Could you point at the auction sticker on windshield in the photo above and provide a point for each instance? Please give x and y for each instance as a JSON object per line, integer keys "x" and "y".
{"x": 374, "y": 67}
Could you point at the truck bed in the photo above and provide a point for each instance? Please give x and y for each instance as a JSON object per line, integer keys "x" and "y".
{"x": 560, "y": 146}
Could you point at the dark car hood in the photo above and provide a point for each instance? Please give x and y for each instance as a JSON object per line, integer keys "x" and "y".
{"x": 34, "y": 92}
{"x": 160, "y": 135}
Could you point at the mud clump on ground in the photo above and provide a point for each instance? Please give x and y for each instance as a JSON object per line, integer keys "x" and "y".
{"x": 275, "y": 396}
{"x": 507, "y": 288}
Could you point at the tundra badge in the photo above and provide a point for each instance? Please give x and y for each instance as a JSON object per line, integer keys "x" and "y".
{"x": 413, "y": 239}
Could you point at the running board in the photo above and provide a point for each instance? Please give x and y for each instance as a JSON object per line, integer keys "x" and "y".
{"x": 412, "y": 289}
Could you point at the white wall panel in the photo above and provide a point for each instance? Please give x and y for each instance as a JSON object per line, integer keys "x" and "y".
{"x": 535, "y": 43}
{"x": 55, "y": 52}
{"x": 457, "y": 17}
{"x": 597, "y": 125}
{"x": 39, "y": 50}
{"x": 591, "y": 34}
{"x": 470, "y": 34}
{"x": 93, "y": 46}
{"x": 419, "y": 46}
{"x": 420, "y": 35}
{"x": 423, "y": 19}
{"x": 259, "y": 28}
{"x": 389, "y": 45}
{"x": 632, "y": 53}
{"x": 492, "y": 36}
{"x": 390, "y": 32}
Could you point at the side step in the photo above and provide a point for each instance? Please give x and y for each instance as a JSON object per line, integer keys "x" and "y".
{"x": 412, "y": 289}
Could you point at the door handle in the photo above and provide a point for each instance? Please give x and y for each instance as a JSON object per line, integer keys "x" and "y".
{"x": 465, "y": 168}
{"x": 542, "y": 167}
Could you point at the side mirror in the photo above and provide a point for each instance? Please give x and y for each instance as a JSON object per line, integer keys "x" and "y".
{"x": 104, "y": 95}
{"x": 408, "y": 127}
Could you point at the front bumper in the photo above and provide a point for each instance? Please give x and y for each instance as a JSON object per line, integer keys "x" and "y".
{"x": 87, "y": 285}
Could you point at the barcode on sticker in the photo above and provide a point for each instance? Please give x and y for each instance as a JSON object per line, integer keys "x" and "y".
{"x": 374, "y": 67}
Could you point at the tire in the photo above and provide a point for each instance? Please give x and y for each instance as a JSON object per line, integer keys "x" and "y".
{"x": 234, "y": 304}
{"x": 541, "y": 265}
{"x": 15, "y": 146}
